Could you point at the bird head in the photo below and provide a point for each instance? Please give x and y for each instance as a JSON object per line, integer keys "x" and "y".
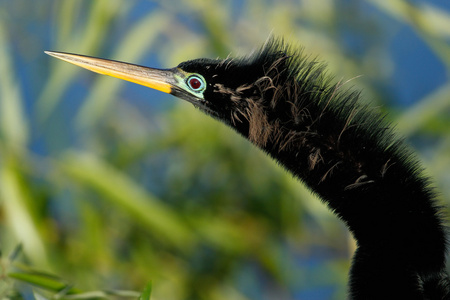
{"x": 236, "y": 91}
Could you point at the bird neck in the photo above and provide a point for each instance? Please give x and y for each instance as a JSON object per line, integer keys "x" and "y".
{"x": 377, "y": 190}
{"x": 345, "y": 152}
{"x": 349, "y": 158}
{"x": 347, "y": 155}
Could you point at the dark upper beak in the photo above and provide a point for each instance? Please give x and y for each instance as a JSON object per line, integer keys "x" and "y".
{"x": 158, "y": 79}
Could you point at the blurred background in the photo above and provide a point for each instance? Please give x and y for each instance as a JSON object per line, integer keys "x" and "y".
{"x": 110, "y": 185}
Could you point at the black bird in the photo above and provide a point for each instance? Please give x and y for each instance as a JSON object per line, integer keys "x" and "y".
{"x": 286, "y": 105}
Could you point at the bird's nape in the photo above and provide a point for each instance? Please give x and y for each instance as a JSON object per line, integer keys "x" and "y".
{"x": 284, "y": 104}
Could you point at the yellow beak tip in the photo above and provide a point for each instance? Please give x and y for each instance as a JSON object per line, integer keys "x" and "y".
{"x": 152, "y": 78}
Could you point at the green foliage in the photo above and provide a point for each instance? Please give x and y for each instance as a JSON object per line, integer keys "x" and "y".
{"x": 147, "y": 292}
{"x": 19, "y": 277}
{"x": 109, "y": 191}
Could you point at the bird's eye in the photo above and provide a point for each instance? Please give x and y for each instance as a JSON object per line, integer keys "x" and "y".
{"x": 195, "y": 83}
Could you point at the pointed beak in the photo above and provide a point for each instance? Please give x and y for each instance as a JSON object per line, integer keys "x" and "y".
{"x": 158, "y": 79}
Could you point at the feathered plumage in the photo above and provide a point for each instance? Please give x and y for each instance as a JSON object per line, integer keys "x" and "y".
{"x": 346, "y": 153}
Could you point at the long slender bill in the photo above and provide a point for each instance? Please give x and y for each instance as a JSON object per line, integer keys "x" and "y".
{"x": 161, "y": 80}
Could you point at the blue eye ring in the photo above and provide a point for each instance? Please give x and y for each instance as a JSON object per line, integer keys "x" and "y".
{"x": 195, "y": 83}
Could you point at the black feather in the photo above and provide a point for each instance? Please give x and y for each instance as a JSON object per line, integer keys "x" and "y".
{"x": 345, "y": 152}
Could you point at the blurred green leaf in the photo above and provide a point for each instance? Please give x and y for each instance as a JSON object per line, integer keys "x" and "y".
{"x": 63, "y": 290}
{"x": 14, "y": 125}
{"x": 16, "y": 252}
{"x": 84, "y": 40}
{"x": 430, "y": 23}
{"x": 116, "y": 187}
{"x": 14, "y": 198}
{"x": 38, "y": 296}
{"x": 147, "y": 292}
{"x": 425, "y": 111}
{"x": 44, "y": 281}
